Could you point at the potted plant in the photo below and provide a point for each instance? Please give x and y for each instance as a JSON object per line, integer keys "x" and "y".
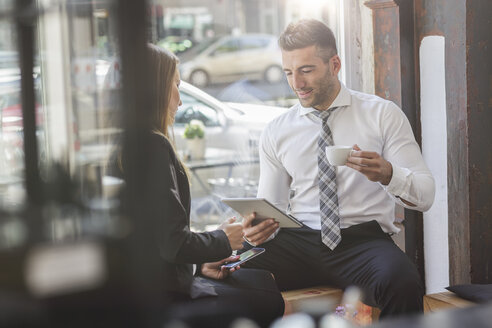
{"x": 194, "y": 133}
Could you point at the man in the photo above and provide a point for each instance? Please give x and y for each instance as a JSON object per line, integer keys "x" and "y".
{"x": 347, "y": 211}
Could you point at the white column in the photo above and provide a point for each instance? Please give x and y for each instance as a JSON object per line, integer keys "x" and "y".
{"x": 434, "y": 150}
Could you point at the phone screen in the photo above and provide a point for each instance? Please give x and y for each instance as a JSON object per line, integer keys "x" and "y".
{"x": 246, "y": 256}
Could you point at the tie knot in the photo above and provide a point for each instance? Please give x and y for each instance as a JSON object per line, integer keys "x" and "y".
{"x": 324, "y": 114}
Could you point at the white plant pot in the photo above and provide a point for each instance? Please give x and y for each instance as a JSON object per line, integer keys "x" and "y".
{"x": 196, "y": 148}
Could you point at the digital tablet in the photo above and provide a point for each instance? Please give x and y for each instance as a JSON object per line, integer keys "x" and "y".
{"x": 263, "y": 209}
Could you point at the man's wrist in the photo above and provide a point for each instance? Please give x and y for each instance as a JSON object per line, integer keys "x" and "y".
{"x": 387, "y": 179}
{"x": 397, "y": 185}
{"x": 249, "y": 242}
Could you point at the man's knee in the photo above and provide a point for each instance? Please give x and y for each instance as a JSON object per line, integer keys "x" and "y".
{"x": 400, "y": 291}
{"x": 409, "y": 284}
{"x": 401, "y": 283}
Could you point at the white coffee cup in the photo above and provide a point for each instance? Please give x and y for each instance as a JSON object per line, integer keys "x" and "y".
{"x": 337, "y": 155}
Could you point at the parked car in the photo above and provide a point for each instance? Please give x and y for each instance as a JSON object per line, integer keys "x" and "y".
{"x": 252, "y": 56}
{"x": 227, "y": 125}
{"x": 231, "y": 126}
{"x": 230, "y": 129}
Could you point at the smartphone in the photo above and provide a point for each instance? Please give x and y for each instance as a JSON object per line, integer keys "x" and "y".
{"x": 246, "y": 256}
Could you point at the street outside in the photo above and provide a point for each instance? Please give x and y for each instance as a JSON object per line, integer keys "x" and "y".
{"x": 275, "y": 94}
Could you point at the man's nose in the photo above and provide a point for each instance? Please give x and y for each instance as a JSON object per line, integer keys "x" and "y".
{"x": 298, "y": 82}
{"x": 180, "y": 102}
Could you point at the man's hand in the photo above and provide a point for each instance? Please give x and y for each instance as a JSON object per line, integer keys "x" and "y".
{"x": 371, "y": 164}
{"x": 215, "y": 270}
{"x": 234, "y": 232}
{"x": 258, "y": 233}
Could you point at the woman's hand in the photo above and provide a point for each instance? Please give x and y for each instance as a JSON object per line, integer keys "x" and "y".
{"x": 234, "y": 232}
{"x": 215, "y": 270}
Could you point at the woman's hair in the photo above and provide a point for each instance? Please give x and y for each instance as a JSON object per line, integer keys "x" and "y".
{"x": 306, "y": 33}
{"x": 163, "y": 65}
{"x": 162, "y": 69}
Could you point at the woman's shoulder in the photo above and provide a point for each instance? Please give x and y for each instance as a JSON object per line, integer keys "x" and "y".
{"x": 160, "y": 140}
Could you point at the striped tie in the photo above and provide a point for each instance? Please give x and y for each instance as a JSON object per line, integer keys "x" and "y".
{"x": 328, "y": 199}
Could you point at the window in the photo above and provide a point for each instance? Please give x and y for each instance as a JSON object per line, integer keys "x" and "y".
{"x": 237, "y": 65}
{"x": 194, "y": 109}
{"x": 226, "y": 47}
{"x": 78, "y": 82}
{"x": 8, "y": 59}
{"x": 248, "y": 43}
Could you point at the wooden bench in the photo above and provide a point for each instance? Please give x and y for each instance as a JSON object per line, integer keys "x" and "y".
{"x": 294, "y": 298}
{"x": 444, "y": 300}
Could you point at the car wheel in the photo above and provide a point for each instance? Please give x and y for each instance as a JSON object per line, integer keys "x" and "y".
{"x": 274, "y": 74}
{"x": 199, "y": 78}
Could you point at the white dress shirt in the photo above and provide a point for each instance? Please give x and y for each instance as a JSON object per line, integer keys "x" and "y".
{"x": 289, "y": 162}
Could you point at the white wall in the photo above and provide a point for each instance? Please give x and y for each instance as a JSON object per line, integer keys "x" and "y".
{"x": 367, "y": 49}
{"x": 356, "y": 45}
{"x": 434, "y": 150}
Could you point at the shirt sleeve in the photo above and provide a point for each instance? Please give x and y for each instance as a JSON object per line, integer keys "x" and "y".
{"x": 411, "y": 179}
{"x": 274, "y": 180}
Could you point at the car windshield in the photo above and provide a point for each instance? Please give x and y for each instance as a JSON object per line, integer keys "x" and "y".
{"x": 205, "y": 44}
{"x": 194, "y": 109}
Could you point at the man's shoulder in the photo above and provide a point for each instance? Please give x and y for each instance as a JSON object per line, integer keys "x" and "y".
{"x": 367, "y": 97}
{"x": 285, "y": 118}
{"x": 373, "y": 104}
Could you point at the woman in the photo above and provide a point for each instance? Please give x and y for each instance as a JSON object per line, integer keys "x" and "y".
{"x": 214, "y": 295}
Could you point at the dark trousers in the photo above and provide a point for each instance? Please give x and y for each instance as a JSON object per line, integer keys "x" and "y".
{"x": 246, "y": 293}
{"x": 366, "y": 257}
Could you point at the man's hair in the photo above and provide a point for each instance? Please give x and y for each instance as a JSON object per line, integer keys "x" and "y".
{"x": 306, "y": 33}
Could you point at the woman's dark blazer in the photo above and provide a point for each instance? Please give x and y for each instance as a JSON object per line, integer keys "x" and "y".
{"x": 169, "y": 198}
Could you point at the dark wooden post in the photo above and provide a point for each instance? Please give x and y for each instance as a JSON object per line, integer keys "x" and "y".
{"x": 466, "y": 27}
{"x": 448, "y": 19}
{"x": 479, "y": 108}
{"x": 394, "y": 70}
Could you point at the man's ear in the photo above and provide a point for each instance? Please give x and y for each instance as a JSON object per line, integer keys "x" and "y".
{"x": 336, "y": 64}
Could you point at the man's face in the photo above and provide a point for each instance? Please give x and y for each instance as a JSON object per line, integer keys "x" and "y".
{"x": 314, "y": 81}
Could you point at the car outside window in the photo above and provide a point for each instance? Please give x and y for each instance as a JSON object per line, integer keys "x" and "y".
{"x": 227, "y": 47}
{"x": 253, "y": 43}
{"x": 194, "y": 109}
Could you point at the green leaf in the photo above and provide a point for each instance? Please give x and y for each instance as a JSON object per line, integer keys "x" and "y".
{"x": 194, "y": 129}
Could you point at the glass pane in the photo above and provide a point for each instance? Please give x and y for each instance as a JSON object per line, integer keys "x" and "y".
{"x": 226, "y": 47}
{"x": 254, "y": 43}
{"x": 12, "y": 191}
{"x": 13, "y": 195}
{"x": 194, "y": 109}
{"x": 80, "y": 78}
{"x": 231, "y": 62}
{"x": 6, "y": 6}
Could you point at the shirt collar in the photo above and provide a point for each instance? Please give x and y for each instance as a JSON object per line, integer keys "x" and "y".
{"x": 343, "y": 99}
